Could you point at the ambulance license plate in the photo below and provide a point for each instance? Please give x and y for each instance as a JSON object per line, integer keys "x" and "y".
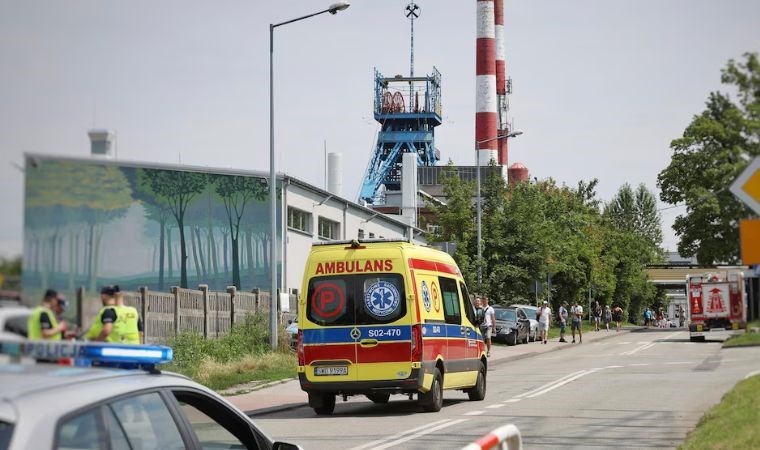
{"x": 699, "y": 327}
{"x": 326, "y": 370}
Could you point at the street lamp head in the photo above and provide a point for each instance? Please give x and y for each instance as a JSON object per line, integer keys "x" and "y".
{"x": 339, "y": 6}
{"x": 515, "y": 133}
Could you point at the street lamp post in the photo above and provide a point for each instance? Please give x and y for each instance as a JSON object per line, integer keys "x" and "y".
{"x": 478, "y": 207}
{"x": 332, "y": 9}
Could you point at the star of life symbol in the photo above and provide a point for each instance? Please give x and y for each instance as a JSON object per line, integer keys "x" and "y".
{"x": 382, "y": 299}
{"x": 355, "y": 333}
{"x": 426, "y": 296}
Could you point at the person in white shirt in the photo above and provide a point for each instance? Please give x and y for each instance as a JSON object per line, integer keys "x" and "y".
{"x": 563, "y": 315}
{"x": 577, "y": 315}
{"x": 544, "y": 318}
{"x": 489, "y": 320}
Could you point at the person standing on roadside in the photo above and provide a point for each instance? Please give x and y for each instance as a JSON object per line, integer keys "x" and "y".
{"x": 562, "y": 321}
{"x": 617, "y": 316}
{"x": 597, "y": 313}
{"x": 489, "y": 320}
{"x": 131, "y": 323}
{"x": 607, "y": 317}
{"x": 577, "y": 317}
{"x": 43, "y": 323}
{"x": 104, "y": 327}
{"x": 544, "y": 317}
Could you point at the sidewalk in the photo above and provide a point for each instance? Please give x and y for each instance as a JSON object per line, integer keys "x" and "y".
{"x": 281, "y": 396}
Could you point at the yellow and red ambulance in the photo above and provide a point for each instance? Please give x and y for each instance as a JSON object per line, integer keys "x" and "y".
{"x": 386, "y": 317}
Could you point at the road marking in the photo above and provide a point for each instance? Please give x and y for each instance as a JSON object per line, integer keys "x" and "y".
{"x": 623, "y": 343}
{"x": 639, "y": 348}
{"x": 556, "y": 385}
{"x": 473, "y": 413}
{"x": 678, "y": 362}
{"x": 512, "y": 400}
{"x": 540, "y": 388}
{"x": 494, "y": 406}
{"x": 420, "y": 434}
{"x": 752, "y": 374}
{"x": 398, "y": 435}
{"x": 639, "y": 365}
{"x": 613, "y": 367}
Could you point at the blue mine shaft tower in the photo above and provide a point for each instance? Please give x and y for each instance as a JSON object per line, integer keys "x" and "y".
{"x": 408, "y": 110}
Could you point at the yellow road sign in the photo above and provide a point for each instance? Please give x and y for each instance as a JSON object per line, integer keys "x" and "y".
{"x": 747, "y": 186}
{"x": 749, "y": 235}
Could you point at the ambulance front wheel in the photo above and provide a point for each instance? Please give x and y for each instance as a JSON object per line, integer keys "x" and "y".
{"x": 478, "y": 392}
{"x": 432, "y": 400}
{"x": 323, "y": 404}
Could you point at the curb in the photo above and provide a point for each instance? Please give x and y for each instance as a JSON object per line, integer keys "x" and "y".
{"x": 274, "y": 409}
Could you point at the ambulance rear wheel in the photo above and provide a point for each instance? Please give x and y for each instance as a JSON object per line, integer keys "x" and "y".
{"x": 327, "y": 405}
{"x": 478, "y": 392}
{"x": 379, "y": 397}
{"x": 432, "y": 400}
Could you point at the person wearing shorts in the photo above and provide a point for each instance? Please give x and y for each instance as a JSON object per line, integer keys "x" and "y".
{"x": 577, "y": 316}
{"x": 562, "y": 321}
{"x": 544, "y": 317}
{"x": 489, "y": 320}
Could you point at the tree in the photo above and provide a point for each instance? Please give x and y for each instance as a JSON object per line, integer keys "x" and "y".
{"x": 715, "y": 147}
{"x": 177, "y": 189}
{"x": 636, "y": 212}
{"x": 236, "y": 191}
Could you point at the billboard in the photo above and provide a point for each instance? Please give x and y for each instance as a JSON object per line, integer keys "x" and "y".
{"x": 90, "y": 222}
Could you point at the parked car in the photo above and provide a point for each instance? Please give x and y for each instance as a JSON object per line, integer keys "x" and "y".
{"x": 532, "y": 313}
{"x": 512, "y": 325}
{"x": 13, "y": 323}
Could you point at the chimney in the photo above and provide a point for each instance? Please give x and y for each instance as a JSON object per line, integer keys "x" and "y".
{"x": 100, "y": 143}
{"x": 335, "y": 173}
{"x": 485, "y": 83}
{"x": 501, "y": 80}
{"x": 409, "y": 188}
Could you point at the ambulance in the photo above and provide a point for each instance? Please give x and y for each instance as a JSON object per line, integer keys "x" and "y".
{"x": 382, "y": 317}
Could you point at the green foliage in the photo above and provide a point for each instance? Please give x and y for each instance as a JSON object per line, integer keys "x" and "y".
{"x": 10, "y": 266}
{"x": 715, "y": 147}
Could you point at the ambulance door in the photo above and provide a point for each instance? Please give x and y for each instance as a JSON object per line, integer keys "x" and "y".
{"x": 329, "y": 334}
{"x": 383, "y": 321}
{"x": 474, "y": 342}
{"x": 456, "y": 333}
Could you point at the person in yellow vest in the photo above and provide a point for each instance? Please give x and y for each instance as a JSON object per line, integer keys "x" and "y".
{"x": 105, "y": 327}
{"x": 130, "y": 322}
{"x": 42, "y": 323}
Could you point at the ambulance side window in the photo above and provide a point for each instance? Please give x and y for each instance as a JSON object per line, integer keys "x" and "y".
{"x": 451, "y": 311}
{"x": 469, "y": 310}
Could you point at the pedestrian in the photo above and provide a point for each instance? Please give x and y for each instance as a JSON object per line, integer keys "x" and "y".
{"x": 647, "y": 317}
{"x": 478, "y": 311}
{"x": 607, "y": 317}
{"x": 43, "y": 323}
{"x": 681, "y": 316}
{"x": 597, "y": 315}
{"x": 131, "y": 324}
{"x": 59, "y": 307}
{"x": 577, "y": 317}
{"x": 544, "y": 317}
{"x": 562, "y": 321}
{"x": 489, "y": 320}
{"x": 104, "y": 327}
{"x": 617, "y": 316}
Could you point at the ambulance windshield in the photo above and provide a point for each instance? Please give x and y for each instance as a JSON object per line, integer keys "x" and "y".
{"x": 359, "y": 299}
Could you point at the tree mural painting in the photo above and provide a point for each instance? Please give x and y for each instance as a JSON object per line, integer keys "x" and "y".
{"x": 236, "y": 192}
{"x": 157, "y": 210}
{"x": 177, "y": 189}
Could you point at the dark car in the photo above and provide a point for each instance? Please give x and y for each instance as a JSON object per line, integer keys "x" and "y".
{"x": 512, "y": 325}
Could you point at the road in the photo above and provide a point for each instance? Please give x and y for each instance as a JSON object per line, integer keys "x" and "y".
{"x": 637, "y": 390}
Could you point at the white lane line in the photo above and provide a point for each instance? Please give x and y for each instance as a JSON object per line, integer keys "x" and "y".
{"x": 623, "y": 343}
{"x": 613, "y": 367}
{"x": 512, "y": 400}
{"x": 639, "y": 365}
{"x": 398, "y": 435}
{"x": 639, "y": 348}
{"x": 556, "y": 385}
{"x": 678, "y": 362}
{"x": 494, "y": 406}
{"x": 752, "y": 374}
{"x": 473, "y": 413}
{"x": 420, "y": 434}
{"x": 549, "y": 384}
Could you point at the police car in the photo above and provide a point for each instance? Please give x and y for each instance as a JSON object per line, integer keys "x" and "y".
{"x": 111, "y": 396}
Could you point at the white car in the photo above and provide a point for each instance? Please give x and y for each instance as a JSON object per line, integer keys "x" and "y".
{"x": 50, "y": 406}
{"x": 14, "y": 322}
{"x": 532, "y": 312}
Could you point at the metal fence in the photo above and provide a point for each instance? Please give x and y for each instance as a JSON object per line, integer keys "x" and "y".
{"x": 166, "y": 314}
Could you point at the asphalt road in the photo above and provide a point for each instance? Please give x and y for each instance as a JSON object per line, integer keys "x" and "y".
{"x": 638, "y": 390}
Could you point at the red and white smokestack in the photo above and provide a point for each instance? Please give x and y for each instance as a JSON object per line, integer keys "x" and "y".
{"x": 501, "y": 79}
{"x": 486, "y": 116}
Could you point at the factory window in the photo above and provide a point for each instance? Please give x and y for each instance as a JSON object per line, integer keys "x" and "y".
{"x": 328, "y": 229}
{"x": 299, "y": 220}
{"x": 361, "y": 233}
{"x": 372, "y": 235}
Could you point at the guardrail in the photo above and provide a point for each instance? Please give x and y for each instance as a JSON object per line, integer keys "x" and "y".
{"x": 502, "y": 438}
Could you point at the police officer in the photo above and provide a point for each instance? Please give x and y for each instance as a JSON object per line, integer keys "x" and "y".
{"x": 105, "y": 328}
{"x": 130, "y": 324}
{"x": 42, "y": 323}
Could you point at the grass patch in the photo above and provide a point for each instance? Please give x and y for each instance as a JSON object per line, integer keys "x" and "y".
{"x": 732, "y": 423}
{"x": 241, "y": 356}
{"x": 745, "y": 339}
{"x": 585, "y": 327}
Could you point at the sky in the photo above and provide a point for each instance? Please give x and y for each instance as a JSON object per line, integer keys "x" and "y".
{"x": 600, "y": 87}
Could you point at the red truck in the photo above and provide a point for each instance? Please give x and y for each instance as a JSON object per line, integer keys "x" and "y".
{"x": 716, "y": 301}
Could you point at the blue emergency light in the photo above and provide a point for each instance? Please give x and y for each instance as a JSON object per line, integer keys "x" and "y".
{"x": 84, "y": 354}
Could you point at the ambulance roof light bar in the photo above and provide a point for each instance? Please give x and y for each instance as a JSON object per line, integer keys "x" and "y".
{"x": 144, "y": 357}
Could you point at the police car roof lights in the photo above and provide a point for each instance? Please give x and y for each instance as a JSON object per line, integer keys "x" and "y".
{"x": 122, "y": 356}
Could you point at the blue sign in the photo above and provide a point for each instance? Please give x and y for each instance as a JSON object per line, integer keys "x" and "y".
{"x": 382, "y": 299}
{"x": 426, "y": 296}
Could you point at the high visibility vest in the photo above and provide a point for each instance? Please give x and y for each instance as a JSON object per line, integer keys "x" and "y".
{"x": 97, "y": 326}
{"x": 128, "y": 330}
{"x": 34, "y": 329}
